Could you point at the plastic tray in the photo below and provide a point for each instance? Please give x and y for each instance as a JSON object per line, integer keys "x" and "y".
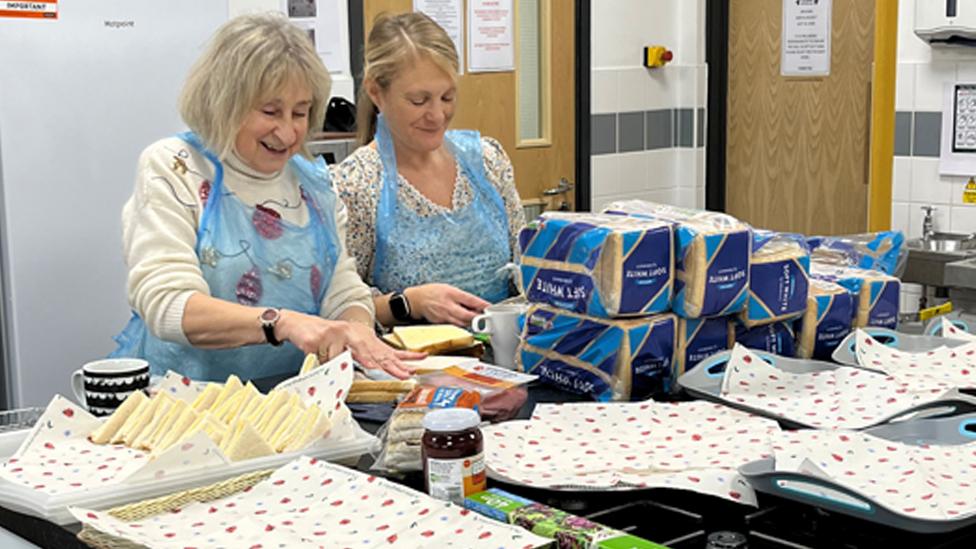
{"x": 846, "y": 352}
{"x": 963, "y": 321}
{"x": 55, "y": 508}
{"x": 704, "y": 381}
{"x": 927, "y": 427}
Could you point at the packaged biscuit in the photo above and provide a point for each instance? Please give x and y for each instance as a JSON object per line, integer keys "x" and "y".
{"x": 712, "y": 253}
{"x": 698, "y": 339}
{"x": 777, "y": 338}
{"x": 778, "y": 278}
{"x": 877, "y": 294}
{"x": 826, "y": 322}
{"x": 600, "y": 358}
{"x": 600, "y": 265}
{"x": 881, "y": 251}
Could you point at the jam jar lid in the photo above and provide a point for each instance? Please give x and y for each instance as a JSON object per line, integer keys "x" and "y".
{"x": 449, "y": 420}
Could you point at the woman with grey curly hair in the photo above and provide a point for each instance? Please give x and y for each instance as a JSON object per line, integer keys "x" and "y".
{"x": 234, "y": 237}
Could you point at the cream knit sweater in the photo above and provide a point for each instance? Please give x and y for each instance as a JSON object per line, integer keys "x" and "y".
{"x": 159, "y": 233}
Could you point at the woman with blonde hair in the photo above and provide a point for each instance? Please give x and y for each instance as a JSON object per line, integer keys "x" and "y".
{"x": 434, "y": 214}
{"x": 234, "y": 239}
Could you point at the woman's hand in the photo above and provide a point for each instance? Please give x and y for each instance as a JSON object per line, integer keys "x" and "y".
{"x": 443, "y": 303}
{"x": 329, "y": 338}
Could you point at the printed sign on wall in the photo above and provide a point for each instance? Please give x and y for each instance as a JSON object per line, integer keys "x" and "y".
{"x": 39, "y": 9}
{"x": 806, "y": 38}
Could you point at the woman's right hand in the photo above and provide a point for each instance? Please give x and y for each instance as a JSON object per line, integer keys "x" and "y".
{"x": 443, "y": 303}
{"x": 328, "y": 338}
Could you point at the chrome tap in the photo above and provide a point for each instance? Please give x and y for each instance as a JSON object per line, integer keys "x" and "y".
{"x": 928, "y": 223}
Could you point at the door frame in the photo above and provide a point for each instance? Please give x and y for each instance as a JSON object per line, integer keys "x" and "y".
{"x": 881, "y": 128}
{"x": 581, "y": 75}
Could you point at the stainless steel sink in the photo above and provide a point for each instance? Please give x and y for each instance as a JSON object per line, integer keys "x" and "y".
{"x": 945, "y": 242}
{"x": 927, "y": 258}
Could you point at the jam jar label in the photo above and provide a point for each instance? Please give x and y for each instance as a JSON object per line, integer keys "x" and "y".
{"x": 454, "y": 479}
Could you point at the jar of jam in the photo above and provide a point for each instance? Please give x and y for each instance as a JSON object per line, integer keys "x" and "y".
{"x": 453, "y": 454}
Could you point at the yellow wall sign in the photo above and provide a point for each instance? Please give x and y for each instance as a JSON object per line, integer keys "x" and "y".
{"x": 969, "y": 193}
{"x": 36, "y": 9}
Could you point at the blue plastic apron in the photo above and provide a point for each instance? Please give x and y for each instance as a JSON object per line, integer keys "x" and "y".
{"x": 467, "y": 248}
{"x": 249, "y": 255}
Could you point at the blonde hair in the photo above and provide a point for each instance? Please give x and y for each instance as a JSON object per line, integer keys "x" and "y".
{"x": 397, "y": 41}
{"x": 248, "y": 59}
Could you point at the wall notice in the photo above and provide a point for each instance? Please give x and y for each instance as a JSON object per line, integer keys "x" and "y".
{"x": 38, "y": 9}
{"x": 490, "y": 43}
{"x": 449, "y": 15}
{"x": 806, "y": 38}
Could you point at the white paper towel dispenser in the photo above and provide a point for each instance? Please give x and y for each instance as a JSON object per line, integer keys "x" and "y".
{"x": 946, "y": 22}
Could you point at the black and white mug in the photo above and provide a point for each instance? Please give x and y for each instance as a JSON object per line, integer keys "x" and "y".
{"x": 103, "y": 385}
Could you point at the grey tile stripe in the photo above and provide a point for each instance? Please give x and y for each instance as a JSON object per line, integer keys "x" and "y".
{"x": 647, "y": 130}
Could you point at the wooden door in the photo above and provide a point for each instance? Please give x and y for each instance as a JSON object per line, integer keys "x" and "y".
{"x": 798, "y": 148}
{"x": 487, "y": 102}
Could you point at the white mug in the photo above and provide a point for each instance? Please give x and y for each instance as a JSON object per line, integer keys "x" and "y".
{"x": 501, "y": 323}
{"x": 103, "y": 385}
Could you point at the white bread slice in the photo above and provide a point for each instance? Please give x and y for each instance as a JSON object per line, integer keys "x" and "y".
{"x": 221, "y": 411}
{"x": 252, "y": 406}
{"x": 433, "y": 338}
{"x": 133, "y": 419}
{"x": 206, "y": 399}
{"x": 161, "y": 414}
{"x": 248, "y": 444}
{"x": 187, "y": 418}
{"x": 164, "y": 426}
{"x": 231, "y": 386}
{"x": 279, "y": 438}
{"x": 316, "y": 428}
{"x": 247, "y": 395}
{"x": 311, "y": 362}
{"x": 270, "y": 423}
{"x": 118, "y": 418}
{"x": 268, "y": 408}
{"x": 147, "y": 418}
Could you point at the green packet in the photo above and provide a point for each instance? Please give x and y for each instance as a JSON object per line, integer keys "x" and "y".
{"x": 569, "y": 531}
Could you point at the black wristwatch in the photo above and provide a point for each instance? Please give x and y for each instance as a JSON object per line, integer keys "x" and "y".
{"x": 269, "y": 318}
{"x": 400, "y": 307}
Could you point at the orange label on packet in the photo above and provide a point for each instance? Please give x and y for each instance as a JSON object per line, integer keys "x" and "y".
{"x": 433, "y": 397}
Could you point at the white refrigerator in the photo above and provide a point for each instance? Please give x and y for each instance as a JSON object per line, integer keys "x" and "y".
{"x": 80, "y": 96}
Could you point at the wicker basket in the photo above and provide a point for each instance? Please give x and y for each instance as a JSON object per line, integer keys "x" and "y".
{"x": 150, "y": 507}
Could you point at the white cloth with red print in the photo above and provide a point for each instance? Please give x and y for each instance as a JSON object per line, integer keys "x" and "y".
{"x": 624, "y": 446}
{"x": 844, "y": 398}
{"x": 945, "y": 366}
{"x": 920, "y": 482}
{"x": 311, "y": 503}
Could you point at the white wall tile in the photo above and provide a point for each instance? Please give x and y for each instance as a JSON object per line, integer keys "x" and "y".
{"x": 700, "y": 198}
{"x": 966, "y": 70}
{"x": 661, "y": 88}
{"x": 633, "y": 173}
{"x": 620, "y": 30}
{"x": 901, "y": 179}
{"x": 686, "y": 168}
{"x": 941, "y": 219}
{"x": 964, "y": 219}
{"x": 905, "y": 87}
{"x": 661, "y": 169}
{"x": 701, "y": 93}
{"x": 686, "y": 85}
{"x": 700, "y": 167}
{"x": 910, "y": 48}
{"x": 664, "y": 196}
{"x": 930, "y": 80}
{"x": 900, "y": 217}
{"x": 604, "y": 173}
{"x": 603, "y": 91}
{"x": 632, "y": 89}
{"x": 927, "y": 186}
{"x": 686, "y": 198}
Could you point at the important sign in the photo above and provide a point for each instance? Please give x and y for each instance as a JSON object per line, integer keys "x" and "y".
{"x": 806, "y": 38}
{"x": 41, "y": 9}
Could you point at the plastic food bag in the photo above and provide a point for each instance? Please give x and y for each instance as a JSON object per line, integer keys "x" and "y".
{"x": 502, "y": 391}
{"x": 778, "y": 278}
{"x": 881, "y": 251}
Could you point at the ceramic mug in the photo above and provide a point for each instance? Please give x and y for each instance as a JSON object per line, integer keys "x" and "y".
{"x": 103, "y": 385}
{"x": 501, "y": 323}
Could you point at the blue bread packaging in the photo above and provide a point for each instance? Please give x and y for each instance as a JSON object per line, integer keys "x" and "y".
{"x": 777, "y": 338}
{"x": 881, "y": 251}
{"x": 599, "y": 265}
{"x": 877, "y": 295}
{"x": 604, "y": 359}
{"x": 826, "y": 322}
{"x": 712, "y": 252}
{"x": 778, "y": 278}
{"x": 698, "y": 339}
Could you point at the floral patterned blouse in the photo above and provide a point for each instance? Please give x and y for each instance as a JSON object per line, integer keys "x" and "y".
{"x": 358, "y": 182}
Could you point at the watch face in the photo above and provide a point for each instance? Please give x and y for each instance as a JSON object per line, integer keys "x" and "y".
{"x": 399, "y": 307}
{"x": 269, "y": 315}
